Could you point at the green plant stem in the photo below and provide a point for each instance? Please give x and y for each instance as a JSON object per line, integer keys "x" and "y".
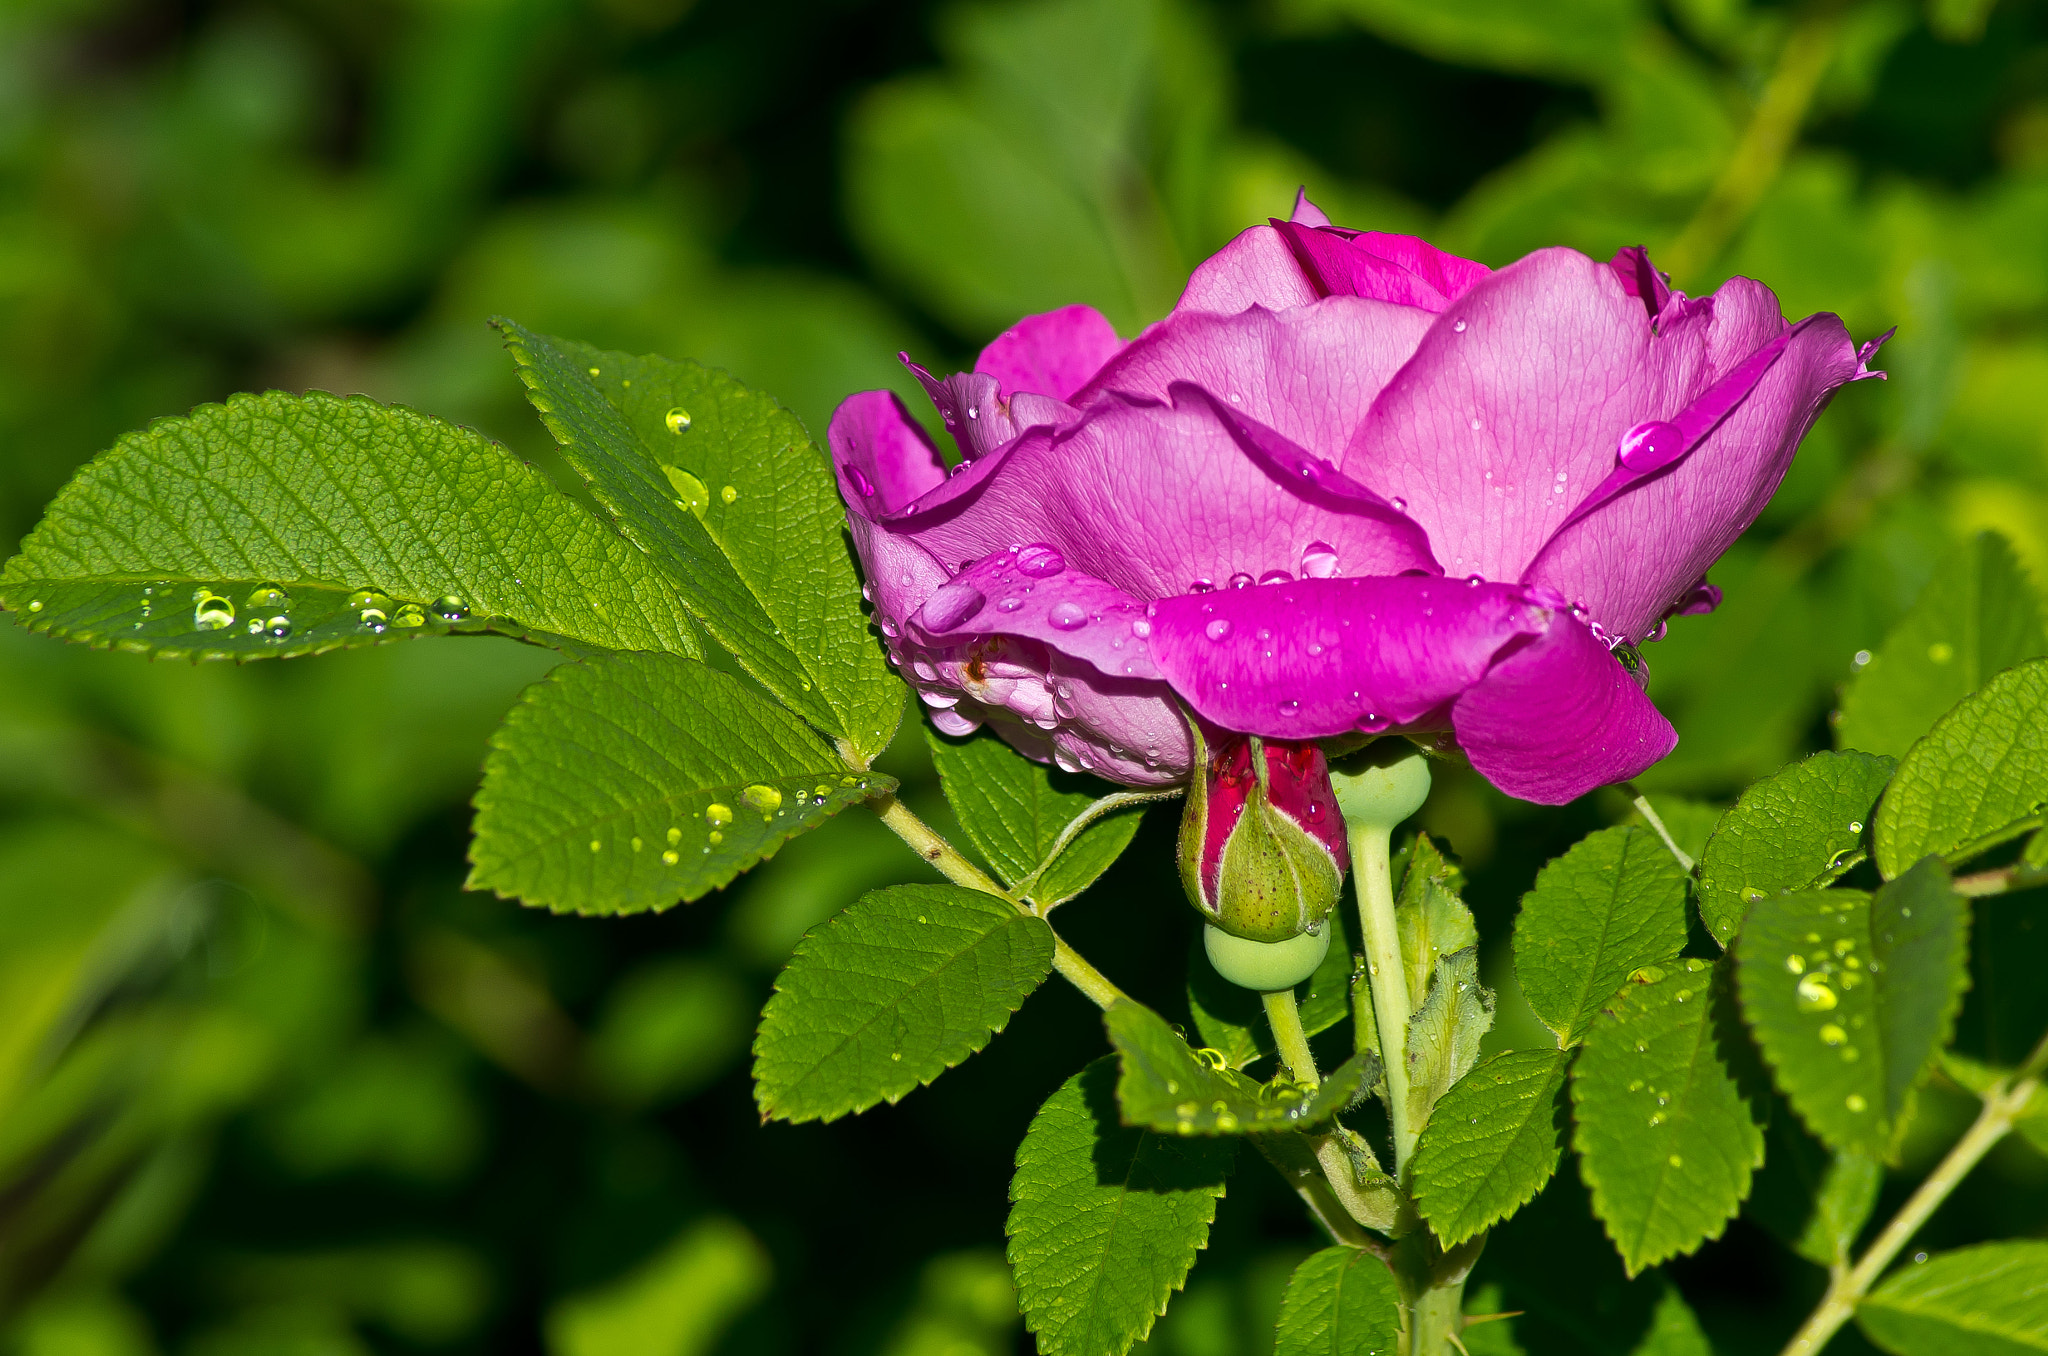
{"x": 2002, "y": 1105}
{"x": 1760, "y": 154}
{"x": 926, "y": 843}
{"x": 1285, "y": 1019}
{"x": 1656, "y": 821}
{"x": 1374, "y": 878}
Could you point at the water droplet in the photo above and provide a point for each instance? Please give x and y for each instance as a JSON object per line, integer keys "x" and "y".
{"x": 1794, "y": 963}
{"x": 1675, "y": 1161}
{"x": 1009, "y": 604}
{"x": 1457, "y": 327}
{"x": 1276, "y": 577}
{"x": 952, "y": 604}
{"x": 1318, "y": 560}
{"x": 690, "y": 491}
{"x": 1040, "y": 561}
{"x": 1067, "y": 616}
{"x": 671, "y": 857}
{"x": 1290, "y": 708}
{"x": 267, "y": 598}
{"x": 1855, "y": 1102}
{"x": 1940, "y": 652}
{"x": 715, "y": 813}
{"x": 1141, "y": 628}
{"x": 1651, "y": 445}
{"x": 678, "y": 421}
{"x": 761, "y": 797}
{"x": 210, "y": 611}
{"x": 593, "y": 371}
{"x": 596, "y": 846}
{"x": 728, "y": 494}
{"x": 861, "y": 484}
{"x": 1475, "y": 423}
{"x": 1855, "y": 826}
{"x": 1833, "y": 1035}
{"x": 409, "y": 615}
{"x": 715, "y": 837}
{"x": 451, "y": 608}
{"x": 1240, "y": 580}
{"x": 1400, "y": 504}
{"x": 1814, "y": 995}
{"x": 277, "y": 627}
{"x": 636, "y": 842}
{"x": 896, "y": 1055}
{"x": 1201, "y": 586}
{"x": 1217, "y": 630}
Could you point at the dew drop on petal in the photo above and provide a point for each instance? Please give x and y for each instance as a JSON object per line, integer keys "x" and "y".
{"x": 1318, "y": 561}
{"x": 1067, "y": 616}
{"x": 861, "y": 484}
{"x": 1040, "y": 561}
{"x": 951, "y": 605}
{"x": 1276, "y": 577}
{"x": 1217, "y": 630}
{"x": 1240, "y": 580}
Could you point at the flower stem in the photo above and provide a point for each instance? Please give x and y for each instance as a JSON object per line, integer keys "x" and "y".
{"x": 1373, "y": 874}
{"x": 926, "y": 843}
{"x": 1285, "y": 1019}
{"x": 2002, "y": 1105}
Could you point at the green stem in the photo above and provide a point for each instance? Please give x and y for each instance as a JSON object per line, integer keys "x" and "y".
{"x": 1285, "y": 1019}
{"x": 2002, "y": 1105}
{"x": 1656, "y": 821}
{"x": 1370, "y": 861}
{"x": 926, "y": 843}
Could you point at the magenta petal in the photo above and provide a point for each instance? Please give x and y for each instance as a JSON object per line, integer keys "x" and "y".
{"x": 1342, "y": 268}
{"x": 1559, "y": 716}
{"x": 1052, "y": 354}
{"x": 1255, "y": 269}
{"x": 1450, "y": 275}
{"x": 1320, "y": 657}
{"x": 1031, "y": 592}
{"x": 884, "y": 460}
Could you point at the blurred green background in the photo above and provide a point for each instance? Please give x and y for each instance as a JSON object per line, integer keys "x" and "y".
{"x": 270, "y": 1082}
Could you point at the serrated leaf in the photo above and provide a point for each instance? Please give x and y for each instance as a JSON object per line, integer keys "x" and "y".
{"x": 1816, "y": 1201}
{"x": 897, "y": 988}
{"x": 1105, "y": 1219}
{"x": 275, "y": 509}
{"x": 1232, "y": 1020}
{"x": 1340, "y": 1302}
{"x": 1978, "y": 778}
{"x": 1989, "y": 1300}
{"x": 1013, "y": 810}
{"x": 1429, "y": 916}
{"x": 1978, "y": 615}
{"x": 630, "y": 782}
{"x": 1666, "y": 1139}
{"x": 1444, "y": 1033}
{"x": 723, "y": 485}
{"x": 1851, "y": 995}
{"x": 1799, "y": 827}
{"x": 1491, "y": 1144}
{"x": 1613, "y": 903}
{"x": 1164, "y": 1085}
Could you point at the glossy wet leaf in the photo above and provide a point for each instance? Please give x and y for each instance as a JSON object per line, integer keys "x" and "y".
{"x": 1666, "y": 1139}
{"x": 1796, "y": 828}
{"x": 1612, "y": 904}
{"x": 1444, "y": 1033}
{"x": 900, "y": 986}
{"x": 277, "y": 525}
{"x": 1851, "y": 995}
{"x": 1987, "y": 1300}
{"x": 1340, "y": 1302}
{"x": 1164, "y": 1085}
{"x": 1491, "y": 1144}
{"x": 1013, "y": 811}
{"x": 1979, "y": 777}
{"x": 723, "y": 486}
{"x": 1430, "y": 913}
{"x": 1977, "y": 616}
{"x": 630, "y": 782}
{"x": 1105, "y": 1219}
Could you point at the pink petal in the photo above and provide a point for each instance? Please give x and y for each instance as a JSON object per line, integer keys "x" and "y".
{"x": 883, "y": 459}
{"x": 1559, "y": 716}
{"x": 1320, "y": 657}
{"x": 1052, "y": 354}
{"x": 1255, "y": 269}
{"x": 1032, "y": 592}
{"x": 1310, "y": 373}
{"x": 1306, "y": 212}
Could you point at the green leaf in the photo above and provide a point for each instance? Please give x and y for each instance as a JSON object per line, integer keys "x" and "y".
{"x": 1340, "y": 1302}
{"x": 1666, "y": 1139}
{"x": 1013, "y": 811}
{"x": 1798, "y": 828}
{"x": 1105, "y": 1219}
{"x": 1232, "y": 1020}
{"x": 1491, "y": 1144}
{"x": 1978, "y": 778}
{"x": 632, "y": 781}
{"x": 900, "y": 986}
{"x": 1612, "y": 904}
{"x": 1978, "y": 615}
{"x": 1989, "y": 1300}
{"x": 1444, "y": 1033}
{"x": 1166, "y": 1086}
{"x": 723, "y": 485}
{"x": 1851, "y": 995}
{"x": 1429, "y": 916}
{"x": 1816, "y": 1201}
{"x": 246, "y": 530}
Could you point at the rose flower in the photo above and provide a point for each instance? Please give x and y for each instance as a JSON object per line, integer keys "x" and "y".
{"x": 1351, "y": 484}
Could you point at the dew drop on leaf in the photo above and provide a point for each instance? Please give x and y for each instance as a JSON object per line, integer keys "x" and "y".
{"x": 210, "y": 611}
{"x": 677, "y": 419}
{"x": 409, "y": 615}
{"x": 761, "y": 797}
{"x": 451, "y": 608}
{"x": 690, "y": 490}
{"x": 670, "y": 858}
{"x": 268, "y": 596}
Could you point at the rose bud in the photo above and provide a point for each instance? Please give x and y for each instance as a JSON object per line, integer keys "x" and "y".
{"x": 1262, "y": 848}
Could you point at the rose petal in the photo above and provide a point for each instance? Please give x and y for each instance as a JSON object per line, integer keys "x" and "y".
{"x": 1013, "y": 593}
{"x": 1255, "y": 269}
{"x": 1341, "y": 268}
{"x": 1320, "y": 657}
{"x": 1052, "y": 354}
{"x": 1305, "y": 211}
{"x": 1558, "y": 716}
{"x": 883, "y": 459}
